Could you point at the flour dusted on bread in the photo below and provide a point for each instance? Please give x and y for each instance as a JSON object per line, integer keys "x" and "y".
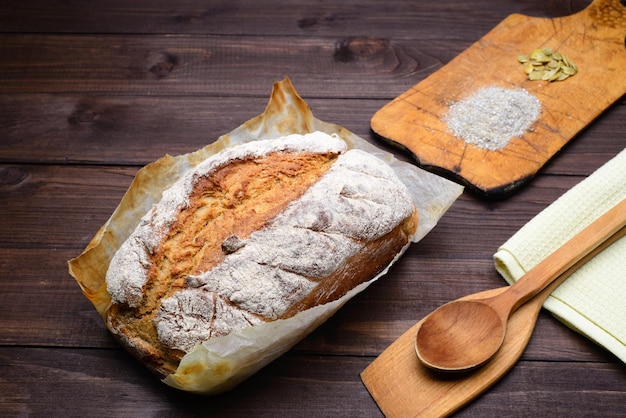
{"x": 256, "y": 233}
{"x": 127, "y": 273}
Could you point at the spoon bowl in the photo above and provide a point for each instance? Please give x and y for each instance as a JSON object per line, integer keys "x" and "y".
{"x": 463, "y": 334}
{"x": 455, "y": 326}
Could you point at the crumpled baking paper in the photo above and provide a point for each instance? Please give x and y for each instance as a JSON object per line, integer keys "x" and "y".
{"x": 219, "y": 364}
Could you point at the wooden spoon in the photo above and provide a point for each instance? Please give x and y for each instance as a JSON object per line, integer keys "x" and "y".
{"x": 464, "y": 334}
{"x": 403, "y": 386}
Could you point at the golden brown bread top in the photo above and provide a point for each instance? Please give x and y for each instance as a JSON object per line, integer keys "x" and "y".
{"x": 232, "y": 202}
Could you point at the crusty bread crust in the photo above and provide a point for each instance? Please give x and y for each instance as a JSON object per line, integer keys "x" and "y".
{"x": 258, "y": 237}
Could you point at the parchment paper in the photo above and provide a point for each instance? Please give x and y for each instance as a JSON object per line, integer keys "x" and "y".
{"x": 221, "y": 363}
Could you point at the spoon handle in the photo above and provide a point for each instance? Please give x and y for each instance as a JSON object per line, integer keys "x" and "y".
{"x": 552, "y": 267}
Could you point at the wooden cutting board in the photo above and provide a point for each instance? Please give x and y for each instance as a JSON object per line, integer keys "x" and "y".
{"x": 403, "y": 387}
{"x": 593, "y": 39}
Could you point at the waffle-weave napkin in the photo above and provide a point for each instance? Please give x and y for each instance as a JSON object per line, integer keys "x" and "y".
{"x": 591, "y": 301}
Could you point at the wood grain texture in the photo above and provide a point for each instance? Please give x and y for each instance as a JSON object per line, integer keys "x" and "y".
{"x": 322, "y": 385}
{"x": 92, "y": 91}
{"x": 211, "y": 65}
{"x": 281, "y": 17}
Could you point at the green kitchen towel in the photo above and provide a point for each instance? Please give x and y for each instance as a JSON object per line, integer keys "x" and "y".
{"x": 591, "y": 301}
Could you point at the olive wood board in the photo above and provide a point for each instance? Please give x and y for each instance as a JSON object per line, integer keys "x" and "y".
{"x": 593, "y": 39}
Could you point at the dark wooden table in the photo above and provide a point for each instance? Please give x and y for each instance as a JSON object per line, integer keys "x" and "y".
{"x": 92, "y": 91}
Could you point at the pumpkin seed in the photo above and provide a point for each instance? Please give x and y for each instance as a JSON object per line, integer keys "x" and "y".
{"x": 528, "y": 67}
{"x": 561, "y": 77}
{"x": 547, "y": 75}
{"x": 539, "y": 55}
{"x": 548, "y": 65}
{"x": 569, "y": 70}
{"x": 555, "y": 76}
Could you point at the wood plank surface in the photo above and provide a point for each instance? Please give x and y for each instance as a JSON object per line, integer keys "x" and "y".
{"x": 131, "y": 130}
{"x": 117, "y": 388}
{"x": 92, "y": 91}
{"x": 280, "y": 17}
{"x": 211, "y": 65}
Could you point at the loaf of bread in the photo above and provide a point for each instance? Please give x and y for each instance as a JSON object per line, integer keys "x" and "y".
{"x": 256, "y": 233}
